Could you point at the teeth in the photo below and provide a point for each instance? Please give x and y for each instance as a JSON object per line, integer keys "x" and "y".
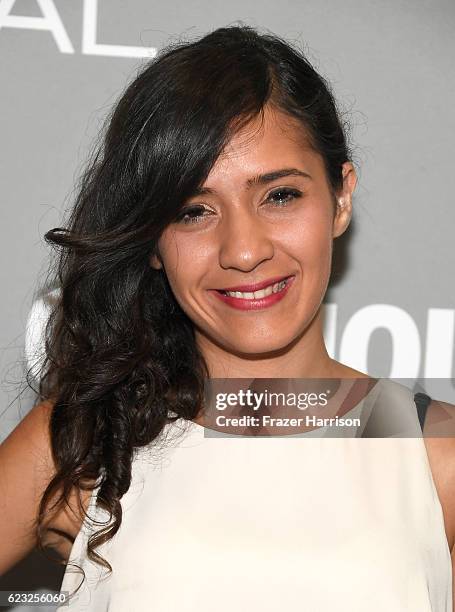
{"x": 256, "y": 295}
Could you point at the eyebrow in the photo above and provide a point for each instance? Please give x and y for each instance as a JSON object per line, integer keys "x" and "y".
{"x": 261, "y": 179}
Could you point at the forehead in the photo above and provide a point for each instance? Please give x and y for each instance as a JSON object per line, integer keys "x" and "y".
{"x": 272, "y": 139}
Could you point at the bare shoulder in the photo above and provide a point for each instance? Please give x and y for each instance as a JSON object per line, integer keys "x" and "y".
{"x": 26, "y": 468}
{"x": 439, "y": 438}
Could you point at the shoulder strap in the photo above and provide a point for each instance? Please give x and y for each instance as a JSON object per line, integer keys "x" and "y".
{"x": 422, "y": 402}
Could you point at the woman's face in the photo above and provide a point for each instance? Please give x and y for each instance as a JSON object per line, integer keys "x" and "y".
{"x": 265, "y": 217}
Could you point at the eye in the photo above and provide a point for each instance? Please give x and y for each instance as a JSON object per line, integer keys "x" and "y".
{"x": 190, "y": 214}
{"x": 283, "y": 195}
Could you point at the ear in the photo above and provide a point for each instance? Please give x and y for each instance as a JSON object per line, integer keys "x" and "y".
{"x": 344, "y": 200}
{"x": 155, "y": 260}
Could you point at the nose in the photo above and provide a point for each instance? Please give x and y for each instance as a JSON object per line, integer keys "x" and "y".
{"x": 245, "y": 241}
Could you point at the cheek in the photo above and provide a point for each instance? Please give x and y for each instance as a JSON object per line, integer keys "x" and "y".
{"x": 183, "y": 249}
{"x": 311, "y": 244}
{"x": 185, "y": 262}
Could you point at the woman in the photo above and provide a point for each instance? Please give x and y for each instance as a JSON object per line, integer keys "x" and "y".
{"x": 200, "y": 248}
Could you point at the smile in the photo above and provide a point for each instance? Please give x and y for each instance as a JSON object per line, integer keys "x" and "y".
{"x": 254, "y": 300}
{"x": 255, "y": 295}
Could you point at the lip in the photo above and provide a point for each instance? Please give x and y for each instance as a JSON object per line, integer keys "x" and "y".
{"x": 255, "y": 286}
{"x": 255, "y": 304}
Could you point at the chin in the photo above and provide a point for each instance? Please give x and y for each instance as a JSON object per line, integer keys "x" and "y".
{"x": 259, "y": 346}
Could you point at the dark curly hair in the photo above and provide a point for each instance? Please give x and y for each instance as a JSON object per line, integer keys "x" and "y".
{"x": 121, "y": 359}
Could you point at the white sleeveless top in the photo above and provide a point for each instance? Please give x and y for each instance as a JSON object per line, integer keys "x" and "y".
{"x": 306, "y": 523}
